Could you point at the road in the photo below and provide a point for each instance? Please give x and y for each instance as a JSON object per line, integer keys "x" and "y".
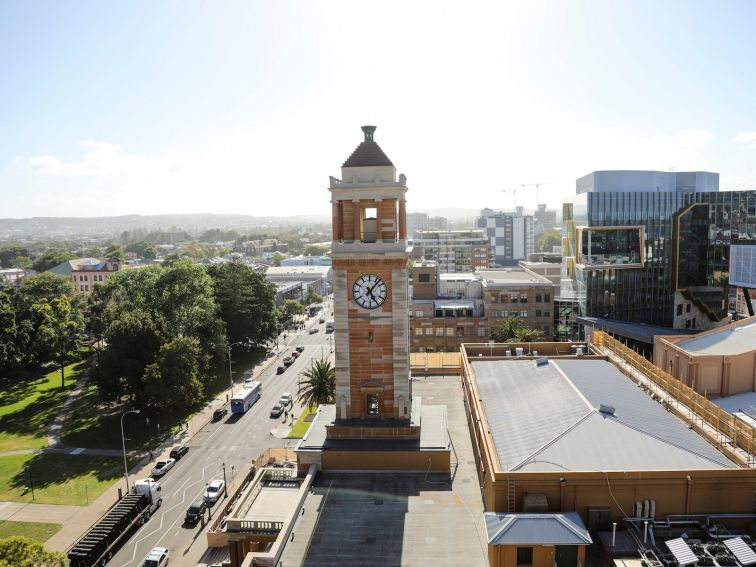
{"x": 235, "y": 440}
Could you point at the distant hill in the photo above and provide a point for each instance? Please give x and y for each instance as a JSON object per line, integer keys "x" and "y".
{"x": 62, "y": 227}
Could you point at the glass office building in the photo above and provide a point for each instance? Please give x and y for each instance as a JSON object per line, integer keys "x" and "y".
{"x": 655, "y": 257}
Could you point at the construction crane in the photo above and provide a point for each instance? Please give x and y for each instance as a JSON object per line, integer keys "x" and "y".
{"x": 514, "y": 195}
{"x": 537, "y": 190}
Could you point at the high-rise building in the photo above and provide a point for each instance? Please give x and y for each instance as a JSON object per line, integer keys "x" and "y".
{"x": 653, "y": 247}
{"x": 454, "y": 250}
{"x": 421, "y": 221}
{"x": 510, "y": 234}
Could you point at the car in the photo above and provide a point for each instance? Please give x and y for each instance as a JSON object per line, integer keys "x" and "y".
{"x": 178, "y": 452}
{"x": 276, "y": 410}
{"x": 250, "y": 383}
{"x": 286, "y": 399}
{"x": 213, "y": 491}
{"x": 195, "y": 511}
{"x": 313, "y": 330}
{"x": 295, "y": 354}
{"x": 281, "y": 369}
{"x": 158, "y": 557}
{"x": 288, "y": 360}
{"x": 162, "y": 467}
{"x": 300, "y": 349}
{"x": 321, "y": 320}
{"x": 219, "y": 414}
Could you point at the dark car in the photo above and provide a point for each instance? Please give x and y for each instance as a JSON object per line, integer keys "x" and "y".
{"x": 295, "y": 354}
{"x": 288, "y": 360}
{"x": 276, "y": 410}
{"x": 219, "y": 414}
{"x": 300, "y": 349}
{"x": 178, "y": 452}
{"x": 280, "y": 370}
{"x": 195, "y": 511}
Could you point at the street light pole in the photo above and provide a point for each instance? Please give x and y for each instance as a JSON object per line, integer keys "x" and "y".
{"x": 230, "y": 375}
{"x": 225, "y": 486}
{"x": 123, "y": 442}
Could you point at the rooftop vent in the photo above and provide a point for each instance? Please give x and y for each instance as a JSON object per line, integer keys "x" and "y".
{"x": 608, "y": 410}
{"x": 543, "y": 361}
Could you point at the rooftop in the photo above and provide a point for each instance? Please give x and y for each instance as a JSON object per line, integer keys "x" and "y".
{"x": 301, "y": 270}
{"x": 733, "y": 339}
{"x": 511, "y": 276}
{"x": 579, "y": 415}
{"x": 536, "y": 529}
{"x": 368, "y": 153}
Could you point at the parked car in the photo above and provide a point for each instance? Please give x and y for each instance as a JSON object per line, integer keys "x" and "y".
{"x": 178, "y": 452}
{"x": 321, "y": 320}
{"x": 300, "y": 349}
{"x": 219, "y": 414}
{"x": 286, "y": 399}
{"x": 295, "y": 354}
{"x": 288, "y": 360}
{"x": 195, "y": 511}
{"x": 158, "y": 557}
{"x": 313, "y": 330}
{"x": 213, "y": 491}
{"x": 276, "y": 410}
{"x": 281, "y": 369}
{"x": 162, "y": 467}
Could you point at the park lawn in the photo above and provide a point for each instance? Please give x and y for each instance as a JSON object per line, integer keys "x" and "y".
{"x": 303, "y": 423}
{"x": 29, "y": 402}
{"x": 34, "y": 530}
{"x": 57, "y": 478}
{"x": 92, "y": 424}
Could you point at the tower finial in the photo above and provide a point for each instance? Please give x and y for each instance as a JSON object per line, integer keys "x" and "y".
{"x": 369, "y": 130}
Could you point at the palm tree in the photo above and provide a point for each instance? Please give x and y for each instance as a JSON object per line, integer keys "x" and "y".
{"x": 527, "y": 335}
{"x": 319, "y": 386}
{"x": 507, "y": 330}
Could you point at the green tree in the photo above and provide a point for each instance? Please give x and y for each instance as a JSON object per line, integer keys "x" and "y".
{"x": 10, "y": 252}
{"x": 9, "y": 332}
{"x": 247, "y": 302}
{"x": 46, "y": 286}
{"x": 277, "y": 257}
{"x": 528, "y": 335}
{"x": 51, "y": 258}
{"x": 319, "y": 387}
{"x": 59, "y": 331}
{"x": 315, "y": 250}
{"x": 93, "y": 252}
{"x": 17, "y": 551}
{"x": 312, "y": 297}
{"x": 507, "y": 330}
{"x": 114, "y": 251}
{"x": 142, "y": 249}
{"x": 22, "y": 262}
{"x": 546, "y": 241}
{"x": 291, "y": 307}
{"x": 173, "y": 382}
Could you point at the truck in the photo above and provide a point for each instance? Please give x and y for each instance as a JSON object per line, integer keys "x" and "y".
{"x": 102, "y": 541}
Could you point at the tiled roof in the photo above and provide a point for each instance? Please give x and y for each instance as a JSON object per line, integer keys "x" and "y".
{"x": 368, "y": 153}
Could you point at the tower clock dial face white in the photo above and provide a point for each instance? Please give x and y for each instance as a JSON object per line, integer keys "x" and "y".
{"x": 369, "y": 291}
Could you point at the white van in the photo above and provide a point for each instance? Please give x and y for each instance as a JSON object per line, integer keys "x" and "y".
{"x": 329, "y": 326}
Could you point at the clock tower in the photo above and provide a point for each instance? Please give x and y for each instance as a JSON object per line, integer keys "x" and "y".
{"x": 370, "y": 298}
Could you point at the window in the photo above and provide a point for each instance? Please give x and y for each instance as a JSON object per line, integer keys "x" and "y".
{"x": 523, "y": 298}
{"x": 429, "y": 331}
{"x": 494, "y": 299}
{"x": 687, "y": 308}
{"x": 515, "y": 297}
{"x": 419, "y": 314}
{"x": 538, "y": 313}
{"x": 439, "y": 331}
{"x": 523, "y": 314}
{"x": 546, "y": 314}
{"x": 687, "y": 323}
{"x": 547, "y": 297}
{"x": 679, "y": 308}
{"x": 482, "y": 332}
{"x": 423, "y": 278}
{"x": 449, "y": 331}
{"x": 373, "y": 404}
{"x": 470, "y": 332}
{"x": 538, "y": 298}
{"x": 418, "y": 332}
{"x": 504, "y": 298}
{"x": 524, "y": 556}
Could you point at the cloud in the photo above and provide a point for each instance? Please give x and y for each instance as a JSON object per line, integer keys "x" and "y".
{"x": 693, "y": 137}
{"x": 101, "y": 158}
{"x": 748, "y": 139}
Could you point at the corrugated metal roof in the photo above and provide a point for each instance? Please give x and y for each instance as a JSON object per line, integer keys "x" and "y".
{"x": 741, "y": 550}
{"x": 536, "y": 529}
{"x": 733, "y": 339}
{"x": 547, "y": 418}
{"x": 526, "y": 406}
{"x": 602, "y": 383}
{"x": 683, "y": 554}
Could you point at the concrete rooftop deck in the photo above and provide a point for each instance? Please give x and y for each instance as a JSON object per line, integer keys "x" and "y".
{"x": 398, "y": 519}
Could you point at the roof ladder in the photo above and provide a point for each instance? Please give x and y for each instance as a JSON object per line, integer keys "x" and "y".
{"x": 511, "y": 495}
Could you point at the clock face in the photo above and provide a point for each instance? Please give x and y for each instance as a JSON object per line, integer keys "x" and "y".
{"x": 369, "y": 291}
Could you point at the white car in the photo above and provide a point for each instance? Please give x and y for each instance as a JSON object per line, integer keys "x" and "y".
{"x": 158, "y": 557}
{"x": 214, "y": 491}
{"x": 285, "y": 399}
{"x": 162, "y": 467}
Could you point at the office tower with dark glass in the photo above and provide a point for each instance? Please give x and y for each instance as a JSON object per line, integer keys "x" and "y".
{"x": 653, "y": 247}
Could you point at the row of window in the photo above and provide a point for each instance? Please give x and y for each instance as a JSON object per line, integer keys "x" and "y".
{"x": 520, "y": 298}
{"x": 95, "y": 278}
{"x": 523, "y": 314}
{"x": 461, "y": 331}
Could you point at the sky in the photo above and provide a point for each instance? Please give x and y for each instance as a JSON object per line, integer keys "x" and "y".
{"x": 144, "y": 107}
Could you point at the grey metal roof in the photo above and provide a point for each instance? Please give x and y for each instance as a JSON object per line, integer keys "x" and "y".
{"x": 733, "y": 339}
{"x": 741, "y": 550}
{"x": 536, "y": 529}
{"x": 548, "y": 418}
{"x": 683, "y": 554}
{"x": 517, "y": 396}
{"x": 635, "y": 331}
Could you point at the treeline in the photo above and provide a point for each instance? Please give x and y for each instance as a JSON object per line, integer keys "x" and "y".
{"x": 157, "y": 330}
